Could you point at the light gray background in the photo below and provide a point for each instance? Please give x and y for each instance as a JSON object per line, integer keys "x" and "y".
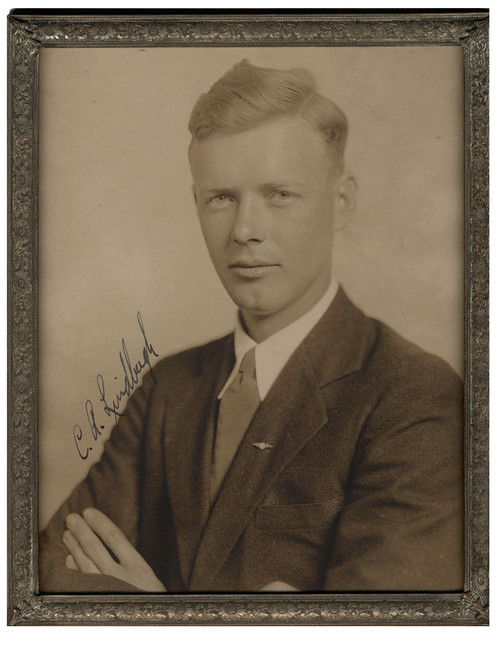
{"x": 119, "y": 232}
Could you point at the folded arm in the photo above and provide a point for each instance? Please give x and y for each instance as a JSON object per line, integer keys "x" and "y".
{"x": 112, "y": 486}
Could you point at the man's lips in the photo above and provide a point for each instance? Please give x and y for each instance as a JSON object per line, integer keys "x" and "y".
{"x": 251, "y": 265}
{"x": 253, "y": 269}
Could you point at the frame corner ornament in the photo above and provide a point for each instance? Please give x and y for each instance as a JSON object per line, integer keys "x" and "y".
{"x": 24, "y": 35}
{"x": 475, "y": 607}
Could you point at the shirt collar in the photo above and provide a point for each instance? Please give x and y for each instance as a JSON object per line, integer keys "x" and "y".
{"x": 273, "y": 353}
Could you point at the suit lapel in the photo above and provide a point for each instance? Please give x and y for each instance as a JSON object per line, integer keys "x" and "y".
{"x": 292, "y": 413}
{"x": 188, "y": 449}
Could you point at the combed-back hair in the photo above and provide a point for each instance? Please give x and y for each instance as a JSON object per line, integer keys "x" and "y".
{"x": 247, "y": 96}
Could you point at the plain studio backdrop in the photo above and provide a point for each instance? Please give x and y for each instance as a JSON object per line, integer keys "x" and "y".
{"x": 118, "y": 230}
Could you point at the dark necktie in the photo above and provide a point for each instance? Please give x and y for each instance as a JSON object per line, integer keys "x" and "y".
{"x": 236, "y": 410}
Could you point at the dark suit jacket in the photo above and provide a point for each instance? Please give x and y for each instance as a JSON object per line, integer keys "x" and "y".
{"x": 362, "y": 490}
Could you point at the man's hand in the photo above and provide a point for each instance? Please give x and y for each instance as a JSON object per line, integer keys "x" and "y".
{"x": 88, "y": 554}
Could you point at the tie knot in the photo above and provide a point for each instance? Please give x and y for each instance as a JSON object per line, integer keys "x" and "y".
{"x": 247, "y": 365}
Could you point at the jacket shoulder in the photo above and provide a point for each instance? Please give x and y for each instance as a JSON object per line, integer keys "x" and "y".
{"x": 402, "y": 362}
{"x": 414, "y": 395}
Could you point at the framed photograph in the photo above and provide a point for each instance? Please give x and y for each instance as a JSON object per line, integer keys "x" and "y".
{"x": 248, "y": 324}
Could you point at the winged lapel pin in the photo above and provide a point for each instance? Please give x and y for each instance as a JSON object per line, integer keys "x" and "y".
{"x": 263, "y": 446}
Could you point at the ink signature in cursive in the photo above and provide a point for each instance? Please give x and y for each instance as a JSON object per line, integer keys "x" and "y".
{"x": 111, "y": 405}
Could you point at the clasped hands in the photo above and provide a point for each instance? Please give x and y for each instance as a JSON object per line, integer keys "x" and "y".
{"x": 91, "y": 537}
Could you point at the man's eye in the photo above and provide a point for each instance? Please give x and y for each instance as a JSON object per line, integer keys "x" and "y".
{"x": 281, "y": 196}
{"x": 219, "y": 199}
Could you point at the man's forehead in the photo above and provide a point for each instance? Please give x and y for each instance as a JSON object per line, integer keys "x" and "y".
{"x": 286, "y": 141}
{"x": 278, "y": 123}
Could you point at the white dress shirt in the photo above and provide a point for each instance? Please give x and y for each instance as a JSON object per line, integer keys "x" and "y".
{"x": 273, "y": 353}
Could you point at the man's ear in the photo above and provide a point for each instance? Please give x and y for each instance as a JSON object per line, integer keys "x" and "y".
{"x": 194, "y": 195}
{"x": 345, "y": 195}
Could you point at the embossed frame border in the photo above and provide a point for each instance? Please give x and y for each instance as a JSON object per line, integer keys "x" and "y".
{"x": 27, "y": 34}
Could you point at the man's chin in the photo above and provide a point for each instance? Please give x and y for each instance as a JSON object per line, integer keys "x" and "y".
{"x": 257, "y": 299}
{"x": 260, "y": 309}
{"x": 249, "y": 298}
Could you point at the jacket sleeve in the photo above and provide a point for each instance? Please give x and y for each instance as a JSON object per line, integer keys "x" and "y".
{"x": 402, "y": 524}
{"x": 112, "y": 485}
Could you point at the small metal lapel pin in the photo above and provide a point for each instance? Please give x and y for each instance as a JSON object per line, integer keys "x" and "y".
{"x": 262, "y": 446}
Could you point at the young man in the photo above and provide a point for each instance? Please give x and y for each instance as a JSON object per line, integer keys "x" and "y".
{"x": 312, "y": 449}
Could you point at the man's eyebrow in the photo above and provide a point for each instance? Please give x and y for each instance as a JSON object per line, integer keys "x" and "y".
{"x": 286, "y": 183}
{"x": 215, "y": 191}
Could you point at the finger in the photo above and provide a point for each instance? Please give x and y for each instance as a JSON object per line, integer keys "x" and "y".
{"x": 278, "y": 585}
{"x": 90, "y": 544}
{"x": 70, "y": 562}
{"x": 82, "y": 562}
{"x": 111, "y": 535}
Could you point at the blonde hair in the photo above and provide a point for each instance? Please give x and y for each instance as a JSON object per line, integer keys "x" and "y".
{"x": 247, "y": 96}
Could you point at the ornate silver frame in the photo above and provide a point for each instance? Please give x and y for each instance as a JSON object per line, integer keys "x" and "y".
{"x": 28, "y": 33}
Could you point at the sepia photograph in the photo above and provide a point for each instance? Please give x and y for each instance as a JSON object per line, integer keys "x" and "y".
{"x": 319, "y": 445}
{"x": 252, "y": 303}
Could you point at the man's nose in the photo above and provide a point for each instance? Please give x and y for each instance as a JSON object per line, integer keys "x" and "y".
{"x": 250, "y": 222}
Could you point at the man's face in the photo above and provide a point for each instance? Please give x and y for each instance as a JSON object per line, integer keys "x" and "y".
{"x": 267, "y": 201}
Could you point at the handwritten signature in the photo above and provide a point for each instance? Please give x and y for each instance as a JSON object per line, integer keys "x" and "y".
{"x": 111, "y": 405}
